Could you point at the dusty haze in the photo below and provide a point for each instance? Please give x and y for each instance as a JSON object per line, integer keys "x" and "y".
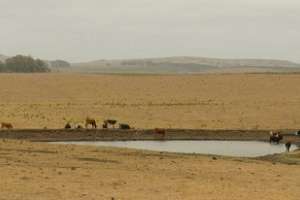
{"x": 93, "y": 29}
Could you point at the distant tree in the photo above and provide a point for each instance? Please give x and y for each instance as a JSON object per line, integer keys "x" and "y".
{"x": 41, "y": 66}
{"x": 2, "y": 67}
{"x": 25, "y": 64}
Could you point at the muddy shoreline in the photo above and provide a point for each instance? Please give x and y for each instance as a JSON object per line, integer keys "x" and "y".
{"x": 60, "y": 135}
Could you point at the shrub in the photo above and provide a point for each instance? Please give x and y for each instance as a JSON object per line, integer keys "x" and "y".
{"x": 24, "y": 64}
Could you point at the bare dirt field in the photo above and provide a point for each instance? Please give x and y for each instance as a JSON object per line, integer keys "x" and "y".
{"x": 252, "y": 103}
{"x": 34, "y": 171}
{"x": 224, "y": 101}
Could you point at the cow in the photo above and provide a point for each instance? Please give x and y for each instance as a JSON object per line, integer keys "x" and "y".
{"x": 124, "y": 126}
{"x": 160, "y": 131}
{"x": 79, "y": 126}
{"x": 288, "y": 146}
{"x": 6, "y": 125}
{"x": 104, "y": 125}
{"x": 90, "y": 121}
{"x": 275, "y": 137}
{"x": 111, "y": 122}
{"x": 68, "y": 126}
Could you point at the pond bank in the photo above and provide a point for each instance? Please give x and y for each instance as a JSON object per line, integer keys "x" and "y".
{"x": 60, "y": 135}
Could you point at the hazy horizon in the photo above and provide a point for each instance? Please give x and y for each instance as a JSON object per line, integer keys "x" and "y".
{"x": 80, "y": 31}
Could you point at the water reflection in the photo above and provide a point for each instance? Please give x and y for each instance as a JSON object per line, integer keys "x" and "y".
{"x": 226, "y": 148}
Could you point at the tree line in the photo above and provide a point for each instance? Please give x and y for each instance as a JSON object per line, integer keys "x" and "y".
{"x": 23, "y": 64}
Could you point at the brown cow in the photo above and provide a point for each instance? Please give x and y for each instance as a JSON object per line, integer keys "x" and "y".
{"x": 160, "y": 131}
{"x": 90, "y": 121}
{"x": 6, "y": 125}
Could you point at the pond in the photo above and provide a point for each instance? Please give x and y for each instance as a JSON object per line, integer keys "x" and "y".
{"x": 216, "y": 147}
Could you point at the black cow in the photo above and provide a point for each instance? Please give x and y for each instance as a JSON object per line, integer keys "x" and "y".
{"x": 124, "y": 126}
{"x": 276, "y": 138}
{"x": 288, "y": 146}
{"x": 111, "y": 122}
{"x": 68, "y": 126}
{"x": 104, "y": 125}
{"x": 79, "y": 126}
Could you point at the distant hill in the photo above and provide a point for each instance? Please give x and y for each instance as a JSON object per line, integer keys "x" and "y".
{"x": 183, "y": 65}
{"x": 58, "y": 65}
{"x": 3, "y": 58}
{"x": 174, "y": 65}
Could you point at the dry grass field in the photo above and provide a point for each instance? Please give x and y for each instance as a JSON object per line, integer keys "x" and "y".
{"x": 246, "y": 101}
{"x": 30, "y": 171}
{"x": 51, "y": 172}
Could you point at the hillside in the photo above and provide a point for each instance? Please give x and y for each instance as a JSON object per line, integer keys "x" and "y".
{"x": 186, "y": 65}
{"x": 174, "y": 65}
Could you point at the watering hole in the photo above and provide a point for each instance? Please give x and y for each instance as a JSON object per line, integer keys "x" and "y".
{"x": 216, "y": 147}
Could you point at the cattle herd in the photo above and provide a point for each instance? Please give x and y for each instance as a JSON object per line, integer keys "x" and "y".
{"x": 275, "y": 137}
{"x": 91, "y": 123}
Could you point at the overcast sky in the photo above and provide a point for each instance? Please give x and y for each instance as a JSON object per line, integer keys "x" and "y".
{"x": 82, "y": 30}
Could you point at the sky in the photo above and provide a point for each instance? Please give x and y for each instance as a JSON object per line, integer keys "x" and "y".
{"x": 83, "y": 30}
